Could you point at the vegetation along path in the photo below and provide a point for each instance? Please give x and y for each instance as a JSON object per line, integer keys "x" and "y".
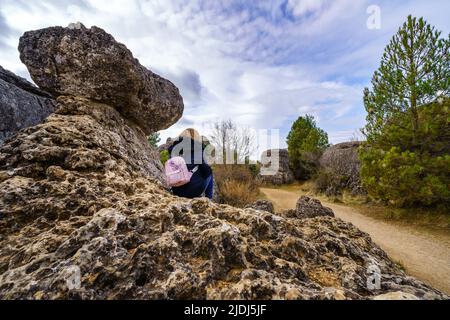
{"x": 424, "y": 254}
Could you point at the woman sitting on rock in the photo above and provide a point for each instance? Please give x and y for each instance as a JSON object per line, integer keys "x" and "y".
{"x": 190, "y": 147}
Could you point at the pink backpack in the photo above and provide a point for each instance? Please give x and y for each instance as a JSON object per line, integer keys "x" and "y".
{"x": 177, "y": 173}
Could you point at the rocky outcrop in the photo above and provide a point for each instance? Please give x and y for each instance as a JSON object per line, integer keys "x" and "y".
{"x": 89, "y": 63}
{"x": 284, "y": 174}
{"x": 83, "y": 215}
{"x": 262, "y": 205}
{"x": 21, "y": 104}
{"x": 340, "y": 170}
{"x": 308, "y": 208}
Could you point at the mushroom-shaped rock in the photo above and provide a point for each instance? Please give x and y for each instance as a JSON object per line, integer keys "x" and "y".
{"x": 89, "y": 63}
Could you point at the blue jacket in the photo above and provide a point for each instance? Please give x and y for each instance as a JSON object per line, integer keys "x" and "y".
{"x": 193, "y": 159}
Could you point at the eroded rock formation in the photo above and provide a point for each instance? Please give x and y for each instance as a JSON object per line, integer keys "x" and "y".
{"x": 340, "y": 167}
{"x": 21, "y": 104}
{"x": 83, "y": 215}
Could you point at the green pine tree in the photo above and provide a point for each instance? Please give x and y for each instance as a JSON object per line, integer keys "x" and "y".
{"x": 305, "y": 143}
{"x": 154, "y": 139}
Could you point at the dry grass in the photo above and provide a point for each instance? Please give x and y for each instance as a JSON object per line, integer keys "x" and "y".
{"x": 237, "y": 185}
{"x": 237, "y": 193}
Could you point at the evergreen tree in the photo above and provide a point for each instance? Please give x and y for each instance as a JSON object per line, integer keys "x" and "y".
{"x": 415, "y": 70}
{"x": 406, "y": 157}
{"x": 154, "y": 139}
{"x": 305, "y": 143}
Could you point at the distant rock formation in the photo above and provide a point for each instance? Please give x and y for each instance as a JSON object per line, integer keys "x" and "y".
{"x": 308, "y": 208}
{"x": 21, "y": 104}
{"x": 341, "y": 163}
{"x": 284, "y": 174}
{"x": 83, "y": 213}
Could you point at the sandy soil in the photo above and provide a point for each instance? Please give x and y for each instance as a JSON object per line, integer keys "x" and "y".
{"x": 425, "y": 254}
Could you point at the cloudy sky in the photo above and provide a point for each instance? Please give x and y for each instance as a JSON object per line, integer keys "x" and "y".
{"x": 259, "y": 63}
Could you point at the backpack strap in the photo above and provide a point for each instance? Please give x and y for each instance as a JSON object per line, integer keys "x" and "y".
{"x": 195, "y": 169}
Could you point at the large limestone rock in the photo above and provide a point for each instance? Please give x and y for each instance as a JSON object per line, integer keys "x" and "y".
{"x": 284, "y": 174}
{"x": 341, "y": 166}
{"x": 21, "y": 104}
{"x": 89, "y": 63}
{"x": 83, "y": 215}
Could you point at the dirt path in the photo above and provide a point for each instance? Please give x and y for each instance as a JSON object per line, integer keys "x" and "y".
{"x": 424, "y": 254}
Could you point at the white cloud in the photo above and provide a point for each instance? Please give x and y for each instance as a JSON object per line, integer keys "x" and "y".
{"x": 242, "y": 60}
{"x": 301, "y": 7}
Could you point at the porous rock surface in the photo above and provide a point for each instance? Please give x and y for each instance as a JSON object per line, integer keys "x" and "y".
{"x": 90, "y": 63}
{"x": 83, "y": 215}
{"x": 21, "y": 104}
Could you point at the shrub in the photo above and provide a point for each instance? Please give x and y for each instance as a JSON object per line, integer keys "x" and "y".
{"x": 409, "y": 168}
{"x": 254, "y": 169}
{"x": 164, "y": 156}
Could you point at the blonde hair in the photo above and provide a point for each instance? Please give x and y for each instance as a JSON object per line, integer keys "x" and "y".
{"x": 191, "y": 134}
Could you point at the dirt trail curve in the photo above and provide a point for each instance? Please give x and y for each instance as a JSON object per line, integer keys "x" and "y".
{"x": 424, "y": 254}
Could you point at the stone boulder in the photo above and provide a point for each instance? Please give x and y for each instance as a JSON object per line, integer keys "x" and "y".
{"x": 284, "y": 174}
{"x": 308, "y": 208}
{"x": 89, "y": 63}
{"x": 262, "y": 205}
{"x": 21, "y": 104}
{"x": 340, "y": 168}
